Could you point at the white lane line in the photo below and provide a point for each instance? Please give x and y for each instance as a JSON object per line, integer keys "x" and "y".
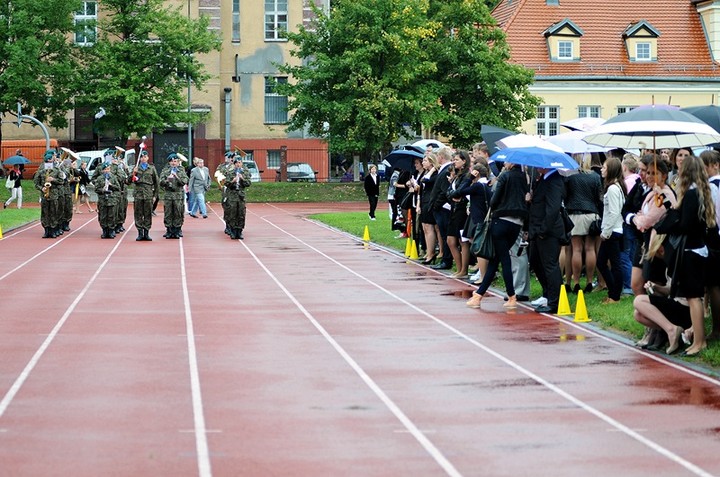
{"x": 409, "y": 425}
{"x": 556, "y": 389}
{"x": 566, "y": 321}
{"x": 201, "y": 444}
{"x": 55, "y": 243}
{"x": 15, "y": 388}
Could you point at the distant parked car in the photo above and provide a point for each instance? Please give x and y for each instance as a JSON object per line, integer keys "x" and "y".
{"x": 299, "y": 172}
{"x": 253, "y": 168}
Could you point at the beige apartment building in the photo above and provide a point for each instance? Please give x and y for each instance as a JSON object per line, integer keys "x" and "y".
{"x": 242, "y": 112}
{"x": 599, "y": 59}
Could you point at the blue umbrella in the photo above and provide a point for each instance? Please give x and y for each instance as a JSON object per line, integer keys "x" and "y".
{"x": 535, "y": 157}
{"x": 12, "y": 160}
{"x": 403, "y": 158}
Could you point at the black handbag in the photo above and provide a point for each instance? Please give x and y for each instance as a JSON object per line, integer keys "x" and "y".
{"x": 595, "y": 228}
{"x": 482, "y": 244}
{"x": 568, "y": 225}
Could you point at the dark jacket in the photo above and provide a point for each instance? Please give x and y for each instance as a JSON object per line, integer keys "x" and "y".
{"x": 584, "y": 193}
{"x": 508, "y": 199}
{"x": 545, "y": 219}
{"x": 438, "y": 196}
{"x": 372, "y": 188}
{"x": 480, "y": 195}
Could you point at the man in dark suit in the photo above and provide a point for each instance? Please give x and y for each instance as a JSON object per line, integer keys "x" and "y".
{"x": 440, "y": 205}
{"x": 545, "y": 229}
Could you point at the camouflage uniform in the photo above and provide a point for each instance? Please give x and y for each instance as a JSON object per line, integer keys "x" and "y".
{"x": 225, "y": 169}
{"x": 50, "y": 205}
{"x": 147, "y": 188}
{"x": 120, "y": 171}
{"x": 65, "y": 204}
{"x": 236, "y": 182}
{"x": 106, "y": 186}
{"x": 172, "y": 179}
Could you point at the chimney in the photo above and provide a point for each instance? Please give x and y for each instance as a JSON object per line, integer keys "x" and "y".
{"x": 709, "y": 11}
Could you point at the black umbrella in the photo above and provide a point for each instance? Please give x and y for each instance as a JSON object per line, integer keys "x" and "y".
{"x": 403, "y": 158}
{"x": 12, "y": 160}
{"x": 709, "y": 114}
{"x": 492, "y": 134}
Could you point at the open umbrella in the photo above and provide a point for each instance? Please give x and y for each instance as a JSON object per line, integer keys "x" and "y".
{"x": 709, "y": 114}
{"x": 654, "y": 127}
{"x": 12, "y": 160}
{"x": 573, "y": 143}
{"x": 403, "y": 158}
{"x": 525, "y": 140}
{"x": 423, "y": 143}
{"x": 492, "y": 134}
{"x": 583, "y": 124}
{"x": 535, "y": 157}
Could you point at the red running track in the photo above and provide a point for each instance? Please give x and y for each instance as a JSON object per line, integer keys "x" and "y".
{"x": 302, "y": 352}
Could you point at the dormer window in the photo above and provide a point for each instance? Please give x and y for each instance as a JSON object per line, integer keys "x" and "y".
{"x": 563, "y": 40}
{"x": 641, "y": 42}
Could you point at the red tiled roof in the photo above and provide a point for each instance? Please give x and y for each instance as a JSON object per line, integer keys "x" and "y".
{"x": 683, "y": 51}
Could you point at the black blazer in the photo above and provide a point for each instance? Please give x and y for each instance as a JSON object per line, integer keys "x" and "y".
{"x": 438, "y": 196}
{"x": 372, "y": 188}
{"x": 545, "y": 219}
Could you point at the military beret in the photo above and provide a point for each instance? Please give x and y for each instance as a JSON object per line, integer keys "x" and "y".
{"x": 108, "y": 152}
{"x": 172, "y": 156}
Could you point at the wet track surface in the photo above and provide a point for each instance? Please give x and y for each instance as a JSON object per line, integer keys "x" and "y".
{"x": 302, "y": 351}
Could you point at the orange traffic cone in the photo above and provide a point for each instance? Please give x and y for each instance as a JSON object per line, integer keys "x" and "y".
{"x": 581, "y": 315}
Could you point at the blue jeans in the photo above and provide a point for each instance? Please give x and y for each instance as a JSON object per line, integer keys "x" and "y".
{"x": 199, "y": 202}
{"x": 627, "y": 253}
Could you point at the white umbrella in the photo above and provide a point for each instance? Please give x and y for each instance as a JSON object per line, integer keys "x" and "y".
{"x": 573, "y": 143}
{"x": 524, "y": 140}
{"x": 423, "y": 143}
{"x": 583, "y": 124}
{"x": 655, "y": 127}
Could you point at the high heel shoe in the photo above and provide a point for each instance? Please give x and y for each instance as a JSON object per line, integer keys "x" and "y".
{"x": 429, "y": 261}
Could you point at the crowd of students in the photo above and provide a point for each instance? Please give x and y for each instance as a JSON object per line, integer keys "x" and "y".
{"x": 646, "y": 225}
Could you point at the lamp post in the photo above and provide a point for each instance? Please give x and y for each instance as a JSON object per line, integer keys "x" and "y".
{"x": 189, "y": 104}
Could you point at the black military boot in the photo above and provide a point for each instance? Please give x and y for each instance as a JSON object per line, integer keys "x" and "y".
{"x": 104, "y": 233}
{"x": 141, "y": 235}
{"x": 178, "y": 231}
{"x": 239, "y": 234}
{"x": 167, "y": 233}
{"x": 47, "y": 234}
{"x": 66, "y": 226}
{"x": 55, "y": 232}
{"x": 146, "y": 235}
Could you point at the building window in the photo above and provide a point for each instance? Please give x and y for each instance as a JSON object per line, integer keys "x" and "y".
{"x": 85, "y": 21}
{"x": 547, "y": 121}
{"x": 236, "y": 21}
{"x": 276, "y": 19}
{"x": 565, "y": 50}
{"x": 275, "y": 104}
{"x": 625, "y": 109}
{"x": 273, "y": 159}
{"x": 588, "y": 111}
{"x": 642, "y": 52}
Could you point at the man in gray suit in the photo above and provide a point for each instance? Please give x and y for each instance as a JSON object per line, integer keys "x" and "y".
{"x": 199, "y": 184}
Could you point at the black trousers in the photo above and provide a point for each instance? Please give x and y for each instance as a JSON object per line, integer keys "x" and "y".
{"x": 545, "y": 262}
{"x": 373, "y": 200}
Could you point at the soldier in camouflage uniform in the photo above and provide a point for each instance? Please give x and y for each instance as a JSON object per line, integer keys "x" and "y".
{"x": 46, "y": 180}
{"x": 236, "y": 183}
{"x": 147, "y": 188}
{"x": 120, "y": 170}
{"x": 66, "y": 190}
{"x": 106, "y": 186}
{"x": 225, "y": 169}
{"x": 173, "y": 179}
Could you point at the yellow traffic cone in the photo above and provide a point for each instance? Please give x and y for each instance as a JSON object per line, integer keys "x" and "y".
{"x": 0, "y": 232}
{"x": 408, "y": 245}
{"x": 366, "y": 234}
{"x": 564, "y": 305}
{"x": 413, "y": 251}
{"x": 581, "y": 315}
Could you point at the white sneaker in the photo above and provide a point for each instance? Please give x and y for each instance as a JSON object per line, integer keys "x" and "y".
{"x": 542, "y": 301}
{"x": 476, "y": 276}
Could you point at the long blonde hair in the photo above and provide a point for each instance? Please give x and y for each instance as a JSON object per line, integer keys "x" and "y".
{"x": 692, "y": 172}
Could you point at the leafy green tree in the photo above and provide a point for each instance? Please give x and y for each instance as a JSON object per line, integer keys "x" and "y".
{"x": 373, "y": 69}
{"x": 38, "y": 68}
{"x": 139, "y": 66}
{"x": 475, "y": 81}
{"x": 363, "y": 74}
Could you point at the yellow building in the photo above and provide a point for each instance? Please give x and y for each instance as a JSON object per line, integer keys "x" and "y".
{"x": 242, "y": 111}
{"x": 599, "y": 59}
